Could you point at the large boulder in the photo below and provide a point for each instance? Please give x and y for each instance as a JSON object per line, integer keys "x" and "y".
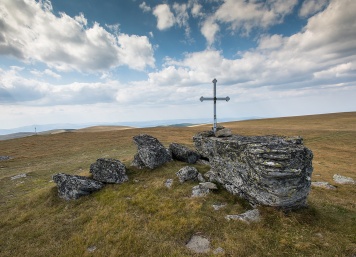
{"x": 150, "y": 152}
{"x": 73, "y": 186}
{"x": 265, "y": 170}
{"x": 183, "y": 153}
{"x": 109, "y": 171}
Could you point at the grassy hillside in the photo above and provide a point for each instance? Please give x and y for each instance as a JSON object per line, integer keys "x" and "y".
{"x": 144, "y": 218}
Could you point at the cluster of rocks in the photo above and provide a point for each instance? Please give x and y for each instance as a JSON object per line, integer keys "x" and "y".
{"x": 338, "y": 179}
{"x": 104, "y": 171}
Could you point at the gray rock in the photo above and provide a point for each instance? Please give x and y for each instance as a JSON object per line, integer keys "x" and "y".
{"x": 72, "y": 186}
{"x": 187, "y": 173}
{"x": 109, "y": 171}
{"x": 137, "y": 162}
{"x": 247, "y": 217}
{"x": 265, "y": 170}
{"x": 150, "y": 151}
{"x": 325, "y": 185}
{"x": 219, "y": 250}
{"x": 209, "y": 185}
{"x": 343, "y": 180}
{"x": 5, "y": 158}
{"x": 23, "y": 175}
{"x": 225, "y": 132}
{"x": 91, "y": 249}
{"x": 183, "y": 153}
{"x": 200, "y": 191}
{"x": 198, "y": 244}
{"x": 218, "y": 206}
{"x": 169, "y": 183}
{"x": 200, "y": 178}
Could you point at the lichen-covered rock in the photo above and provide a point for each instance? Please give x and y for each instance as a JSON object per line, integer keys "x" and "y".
{"x": 109, "y": 171}
{"x": 247, "y": 217}
{"x": 265, "y": 170}
{"x": 224, "y": 132}
{"x": 183, "y": 153}
{"x": 200, "y": 191}
{"x": 187, "y": 173}
{"x": 150, "y": 152}
{"x": 72, "y": 186}
{"x": 137, "y": 162}
{"x": 339, "y": 179}
{"x": 325, "y": 185}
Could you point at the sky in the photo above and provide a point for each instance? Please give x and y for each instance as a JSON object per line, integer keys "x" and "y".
{"x": 80, "y": 61}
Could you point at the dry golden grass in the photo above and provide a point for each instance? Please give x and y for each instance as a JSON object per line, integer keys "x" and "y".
{"x": 143, "y": 218}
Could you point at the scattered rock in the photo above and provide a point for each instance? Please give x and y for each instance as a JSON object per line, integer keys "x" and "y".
{"x": 91, "y": 249}
{"x": 209, "y": 185}
{"x": 200, "y": 178}
{"x": 109, "y": 171}
{"x": 343, "y": 180}
{"x": 218, "y": 206}
{"x": 73, "y": 186}
{"x": 150, "y": 152}
{"x": 325, "y": 185}
{"x": 137, "y": 162}
{"x": 23, "y": 175}
{"x": 5, "y": 158}
{"x": 200, "y": 191}
{"x": 169, "y": 183}
{"x": 219, "y": 250}
{"x": 211, "y": 176}
{"x": 183, "y": 153}
{"x": 225, "y": 132}
{"x": 265, "y": 170}
{"x": 247, "y": 217}
{"x": 198, "y": 244}
{"x": 187, "y": 173}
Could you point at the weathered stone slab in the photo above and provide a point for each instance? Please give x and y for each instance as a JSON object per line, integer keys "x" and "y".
{"x": 265, "y": 170}
{"x": 109, "y": 171}
{"x": 321, "y": 184}
{"x": 198, "y": 244}
{"x": 73, "y": 186}
{"x": 247, "y": 217}
{"x": 343, "y": 180}
{"x": 183, "y": 153}
{"x": 150, "y": 152}
{"x": 5, "y": 157}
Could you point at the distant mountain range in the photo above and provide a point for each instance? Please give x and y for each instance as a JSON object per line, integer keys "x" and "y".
{"x": 49, "y": 128}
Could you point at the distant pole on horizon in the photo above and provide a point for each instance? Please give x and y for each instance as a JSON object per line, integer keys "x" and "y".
{"x": 214, "y": 99}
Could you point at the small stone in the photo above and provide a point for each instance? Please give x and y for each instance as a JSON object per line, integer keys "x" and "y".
{"x": 23, "y": 175}
{"x": 219, "y": 250}
{"x": 225, "y": 132}
{"x": 209, "y": 185}
{"x": 91, "y": 249}
{"x": 198, "y": 244}
{"x": 187, "y": 173}
{"x": 325, "y": 185}
{"x": 169, "y": 183}
{"x": 5, "y": 158}
{"x": 219, "y": 206}
{"x": 200, "y": 178}
{"x": 343, "y": 180}
{"x": 247, "y": 217}
{"x": 200, "y": 191}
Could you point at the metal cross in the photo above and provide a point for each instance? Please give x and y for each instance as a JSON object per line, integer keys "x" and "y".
{"x": 214, "y": 98}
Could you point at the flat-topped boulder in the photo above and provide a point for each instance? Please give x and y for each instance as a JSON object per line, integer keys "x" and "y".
{"x": 150, "y": 152}
{"x": 109, "y": 171}
{"x": 265, "y": 170}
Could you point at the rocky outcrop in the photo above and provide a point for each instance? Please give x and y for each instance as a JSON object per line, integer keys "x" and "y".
{"x": 265, "y": 170}
{"x": 150, "y": 152}
{"x": 72, "y": 186}
{"x": 109, "y": 171}
{"x": 183, "y": 153}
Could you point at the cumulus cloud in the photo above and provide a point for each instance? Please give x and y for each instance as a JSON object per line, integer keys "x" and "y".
{"x": 30, "y": 31}
{"x": 165, "y": 18}
{"x": 244, "y": 16}
{"x": 310, "y": 7}
{"x": 144, "y": 7}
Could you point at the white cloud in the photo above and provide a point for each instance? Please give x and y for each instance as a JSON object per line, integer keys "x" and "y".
{"x": 196, "y": 10}
{"x": 243, "y": 16}
{"x": 47, "y": 72}
{"x": 165, "y": 18}
{"x": 145, "y": 7}
{"x": 310, "y": 7}
{"x": 182, "y": 17}
{"x": 30, "y": 31}
{"x": 270, "y": 42}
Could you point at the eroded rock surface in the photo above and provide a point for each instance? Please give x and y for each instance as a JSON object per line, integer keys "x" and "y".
{"x": 183, "y": 153}
{"x": 187, "y": 173}
{"x": 343, "y": 180}
{"x": 109, "y": 171}
{"x": 198, "y": 244}
{"x": 265, "y": 170}
{"x": 150, "y": 152}
{"x": 73, "y": 186}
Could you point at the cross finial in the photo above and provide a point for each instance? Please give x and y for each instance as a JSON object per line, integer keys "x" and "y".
{"x": 214, "y": 81}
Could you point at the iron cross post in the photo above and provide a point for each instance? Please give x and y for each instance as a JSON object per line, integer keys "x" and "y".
{"x": 214, "y": 99}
